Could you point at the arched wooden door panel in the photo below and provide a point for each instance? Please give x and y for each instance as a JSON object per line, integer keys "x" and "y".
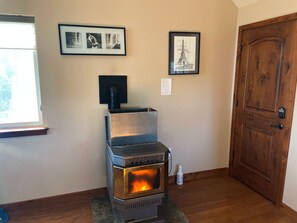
{"x": 263, "y": 104}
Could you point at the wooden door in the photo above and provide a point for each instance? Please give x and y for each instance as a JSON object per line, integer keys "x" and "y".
{"x": 263, "y": 104}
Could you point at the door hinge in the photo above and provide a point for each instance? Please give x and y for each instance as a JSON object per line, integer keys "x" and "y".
{"x": 236, "y": 103}
{"x": 241, "y": 46}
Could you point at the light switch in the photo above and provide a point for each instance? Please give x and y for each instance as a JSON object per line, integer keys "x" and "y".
{"x": 166, "y": 86}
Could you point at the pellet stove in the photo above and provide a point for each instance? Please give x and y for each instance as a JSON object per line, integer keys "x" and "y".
{"x": 137, "y": 167}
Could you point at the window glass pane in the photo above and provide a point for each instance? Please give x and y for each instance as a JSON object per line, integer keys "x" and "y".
{"x": 17, "y": 35}
{"x": 18, "y": 96}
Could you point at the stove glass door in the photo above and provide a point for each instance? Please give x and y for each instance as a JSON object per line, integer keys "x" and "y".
{"x": 143, "y": 180}
{"x": 132, "y": 182}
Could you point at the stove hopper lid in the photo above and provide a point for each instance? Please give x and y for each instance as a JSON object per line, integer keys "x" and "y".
{"x": 137, "y": 154}
{"x": 139, "y": 150}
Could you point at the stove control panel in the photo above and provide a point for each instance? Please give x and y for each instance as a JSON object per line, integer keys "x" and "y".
{"x": 144, "y": 160}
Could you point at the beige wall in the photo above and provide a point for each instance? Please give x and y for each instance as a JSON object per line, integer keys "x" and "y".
{"x": 258, "y": 11}
{"x": 265, "y": 9}
{"x": 194, "y": 121}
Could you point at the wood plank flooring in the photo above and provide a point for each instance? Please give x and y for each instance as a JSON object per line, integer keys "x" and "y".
{"x": 224, "y": 199}
{"x": 216, "y": 199}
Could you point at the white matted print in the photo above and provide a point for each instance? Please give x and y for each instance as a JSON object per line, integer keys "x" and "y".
{"x": 184, "y": 53}
{"x": 92, "y": 40}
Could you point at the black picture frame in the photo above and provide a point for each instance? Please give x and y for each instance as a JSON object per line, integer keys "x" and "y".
{"x": 92, "y": 40}
{"x": 184, "y": 53}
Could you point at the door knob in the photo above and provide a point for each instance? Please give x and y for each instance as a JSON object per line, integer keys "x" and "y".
{"x": 279, "y": 126}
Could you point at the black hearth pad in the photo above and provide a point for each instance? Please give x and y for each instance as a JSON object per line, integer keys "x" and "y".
{"x": 103, "y": 213}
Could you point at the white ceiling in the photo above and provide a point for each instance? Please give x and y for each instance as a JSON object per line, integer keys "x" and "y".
{"x": 242, "y": 3}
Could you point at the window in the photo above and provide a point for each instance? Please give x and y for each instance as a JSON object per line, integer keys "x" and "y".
{"x": 20, "y": 103}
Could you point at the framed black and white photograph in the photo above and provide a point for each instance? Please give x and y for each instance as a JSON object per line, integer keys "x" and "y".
{"x": 184, "y": 53}
{"x": 92, "y": 40}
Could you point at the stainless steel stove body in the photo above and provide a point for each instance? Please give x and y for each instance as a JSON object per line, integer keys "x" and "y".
{"x": 136, "y": 164}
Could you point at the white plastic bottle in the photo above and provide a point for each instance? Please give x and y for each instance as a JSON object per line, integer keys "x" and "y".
{"x": 180, "y": 175}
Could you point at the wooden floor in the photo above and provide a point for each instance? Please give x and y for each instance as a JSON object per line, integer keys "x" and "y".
{"x": 218, "y": 199}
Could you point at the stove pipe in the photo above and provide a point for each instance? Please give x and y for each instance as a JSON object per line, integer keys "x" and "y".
{"x": 114, "y": 98}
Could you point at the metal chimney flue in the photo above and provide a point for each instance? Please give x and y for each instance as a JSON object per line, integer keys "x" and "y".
{"x": 114, "y": 98}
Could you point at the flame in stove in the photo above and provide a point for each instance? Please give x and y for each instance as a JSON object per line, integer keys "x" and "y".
{"x": 141, "y": 185}
{"x": 143, "y": 180}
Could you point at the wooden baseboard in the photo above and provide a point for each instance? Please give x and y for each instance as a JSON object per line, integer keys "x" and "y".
{"x": 200, "y": 175}
{"x": 55, "y": 199}
{"x": 289, "y": 211}
{"x": 99, "y": 191}
{"x": 76, "y": 197}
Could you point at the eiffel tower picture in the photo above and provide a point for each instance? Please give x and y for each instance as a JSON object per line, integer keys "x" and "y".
{"x": 184, "y": 53}
{"x": 183, "y": 63}
{"x": 182, "y": 58}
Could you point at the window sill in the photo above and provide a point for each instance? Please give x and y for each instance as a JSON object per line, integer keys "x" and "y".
{"x": 18, "y": 132}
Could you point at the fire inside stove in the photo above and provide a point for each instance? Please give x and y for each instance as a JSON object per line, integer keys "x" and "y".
{"x": 143, "y": 180}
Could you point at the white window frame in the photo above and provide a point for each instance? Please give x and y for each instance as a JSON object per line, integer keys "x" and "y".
{"x": 24, "y": 125}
